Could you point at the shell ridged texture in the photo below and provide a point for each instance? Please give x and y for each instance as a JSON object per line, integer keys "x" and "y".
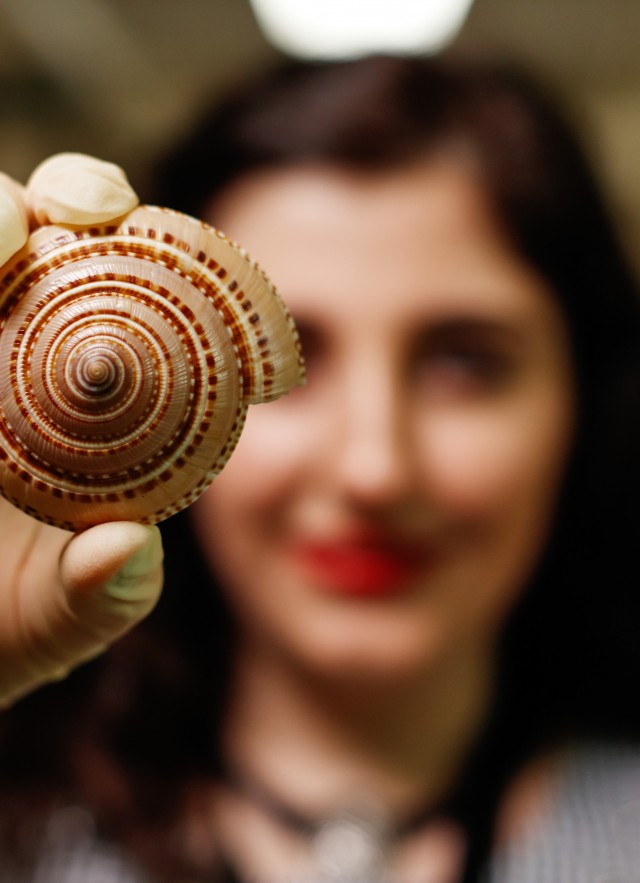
{"x": 129, "y": 354}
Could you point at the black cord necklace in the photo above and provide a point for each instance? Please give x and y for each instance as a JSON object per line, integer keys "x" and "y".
{"x": 352, "y": 845}
{"x": 500, "y": 751}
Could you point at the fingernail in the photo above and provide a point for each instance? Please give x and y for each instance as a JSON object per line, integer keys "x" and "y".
{"x": 130, "y": 583}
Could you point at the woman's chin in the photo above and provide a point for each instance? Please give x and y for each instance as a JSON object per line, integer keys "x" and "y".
{"x": 366, "y": 655}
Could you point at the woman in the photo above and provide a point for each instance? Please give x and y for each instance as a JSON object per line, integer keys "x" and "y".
{"x": 411, "y": 550}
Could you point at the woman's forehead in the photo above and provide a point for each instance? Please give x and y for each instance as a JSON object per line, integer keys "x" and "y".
{"x": 420, "y": 238}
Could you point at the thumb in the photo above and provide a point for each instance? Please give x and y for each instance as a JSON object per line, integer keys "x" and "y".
{"x": 112, "y": 576}
{"x": 107, "y": 579}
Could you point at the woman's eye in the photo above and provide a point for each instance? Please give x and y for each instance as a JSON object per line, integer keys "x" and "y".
{"x": 313, "y": 348}
{"x": 467, "y": 358}
{"x": 463, "y": 372}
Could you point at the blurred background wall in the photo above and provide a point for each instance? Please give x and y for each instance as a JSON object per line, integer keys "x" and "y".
{"x": 122, "y": 78}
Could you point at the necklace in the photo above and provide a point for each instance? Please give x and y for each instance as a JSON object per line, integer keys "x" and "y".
{"x": 352, "y": 845}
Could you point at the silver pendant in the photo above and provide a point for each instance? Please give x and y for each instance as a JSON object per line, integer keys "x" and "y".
{"x": 352, "y": 847}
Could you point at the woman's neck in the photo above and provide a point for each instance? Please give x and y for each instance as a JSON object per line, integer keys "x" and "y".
{"x": 316, "y": 742}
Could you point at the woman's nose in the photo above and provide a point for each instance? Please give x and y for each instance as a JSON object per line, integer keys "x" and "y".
{"x": 373, "y": 461}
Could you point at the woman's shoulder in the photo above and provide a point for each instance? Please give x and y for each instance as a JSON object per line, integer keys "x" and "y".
{"x": 583, "y": 822}
{"x": 69, "y": 849}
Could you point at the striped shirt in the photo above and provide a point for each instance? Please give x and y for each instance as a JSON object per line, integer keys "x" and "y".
{"x": 590, "y": 834}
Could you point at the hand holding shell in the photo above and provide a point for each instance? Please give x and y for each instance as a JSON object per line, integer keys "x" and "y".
{"x": 129, "y": 350}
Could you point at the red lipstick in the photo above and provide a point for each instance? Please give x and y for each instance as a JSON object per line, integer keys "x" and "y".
{"x": 367, "y": 569}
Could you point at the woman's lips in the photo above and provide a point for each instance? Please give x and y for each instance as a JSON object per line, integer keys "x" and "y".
{"x": 376, "y": 568}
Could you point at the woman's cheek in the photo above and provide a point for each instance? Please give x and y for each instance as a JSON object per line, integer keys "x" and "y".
{"x": 476, "y": 462}
{"x": 269, "y": 453}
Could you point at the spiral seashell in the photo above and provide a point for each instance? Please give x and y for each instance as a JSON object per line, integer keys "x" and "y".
{"x": 129, "y": 354}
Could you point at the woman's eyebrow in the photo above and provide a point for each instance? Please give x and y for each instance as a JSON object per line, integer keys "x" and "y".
{"x": 488, "y": 328}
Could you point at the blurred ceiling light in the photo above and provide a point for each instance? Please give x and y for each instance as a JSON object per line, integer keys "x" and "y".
{"x": 332, "y": 29}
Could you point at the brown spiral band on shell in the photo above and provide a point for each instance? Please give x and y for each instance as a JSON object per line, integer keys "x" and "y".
{"x": 130, "y": 353}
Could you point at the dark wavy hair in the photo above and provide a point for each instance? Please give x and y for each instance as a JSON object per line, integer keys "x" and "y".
{"x": 130, "y": 733}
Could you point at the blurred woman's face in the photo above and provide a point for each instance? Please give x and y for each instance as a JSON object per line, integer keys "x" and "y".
{"x": 386, "y": 516}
